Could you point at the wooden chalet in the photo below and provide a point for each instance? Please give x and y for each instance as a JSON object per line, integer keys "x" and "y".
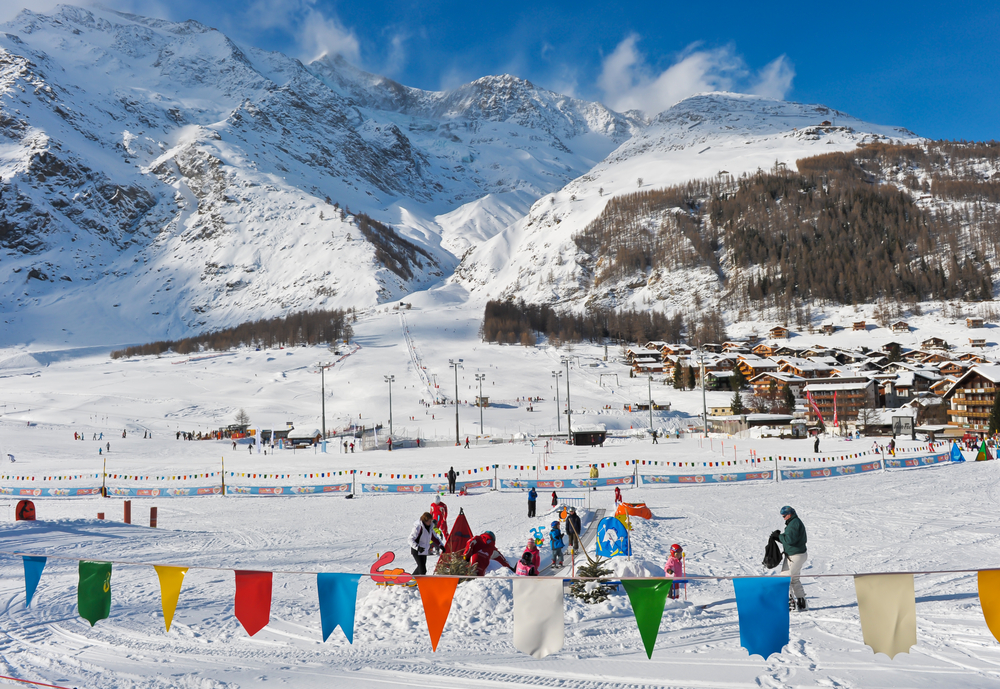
{"x": 951, "y": 368}
{"x": 803, "y": 368}
{"x": 973, "y": 322}
{"x": 971, "y": 398}
{"x": 934, "y": 343}
{"x": 859, "y": 325}
{"x": 973, "y": 358}
{"x": 762, "y": 384}
{"x": 900, "y": 327}
{"x": 763, "y": 350}
{"x": 751, "y": 366}
{"x": 778, "y": 332}
{"x": 849, "y": 395}
{"x": 977, "y": 341}
{"x": 829, "y": 328}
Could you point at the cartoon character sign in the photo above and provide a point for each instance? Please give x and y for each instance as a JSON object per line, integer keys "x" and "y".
{"x": 612, "y": 538}
{"x": 25, "y": 511}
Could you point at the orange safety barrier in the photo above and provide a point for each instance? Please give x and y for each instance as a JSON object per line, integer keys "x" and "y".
{"x": 634, "y": 509}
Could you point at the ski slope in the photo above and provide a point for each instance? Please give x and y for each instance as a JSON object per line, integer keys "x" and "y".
{"x": 936, "y": 518}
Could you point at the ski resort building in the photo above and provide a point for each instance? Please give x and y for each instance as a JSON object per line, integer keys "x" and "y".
{"x": 971, "y": 399}
{"x": 847, "y": 395}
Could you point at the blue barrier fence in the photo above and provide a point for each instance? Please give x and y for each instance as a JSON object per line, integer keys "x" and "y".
{"x": 732, "y": 477}
{"x": 827, "y": 472}
{"x": 567, "y": 483}
{"x": 423, "y": 487}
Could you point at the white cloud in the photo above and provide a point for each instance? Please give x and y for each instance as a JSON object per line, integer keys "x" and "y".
{"x": 628, "y": 82}
{"x": 316, "y": 33}
{"x": 775, "y": 80}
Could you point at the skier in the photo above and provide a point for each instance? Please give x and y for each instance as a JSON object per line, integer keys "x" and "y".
{"x": 439, "y": 512}
{"x": 674, "y": 568}
{"x": 816, "y": 445}
{"x": 389, "y": 443}
{"x": 556, "y": 541}
{"x": 352, "y": 448}
{"x": 481, "y": 549}
{"x": 618, "y": 496}
{"x": 421, "y": 539}
{"x": 794, "y": 542}
{"x": 573, "y": 527}
{"x": 532, "y": 497}
{"x": 531, "y": 560}
{"x": 466, "y": 442}
{"x": 555, "y": 499}
{"x": 594, "y": 473}
{"x": 451, "y": 480}
{"x": 654, "y": 438}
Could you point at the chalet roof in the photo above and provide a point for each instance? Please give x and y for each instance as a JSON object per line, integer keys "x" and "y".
{"x": 989, "y": 372}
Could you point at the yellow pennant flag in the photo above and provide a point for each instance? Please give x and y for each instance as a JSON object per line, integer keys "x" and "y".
{"x": 989, "y": 598}
{"x": 887, "y": 606}
{"x": 171, "y": 579}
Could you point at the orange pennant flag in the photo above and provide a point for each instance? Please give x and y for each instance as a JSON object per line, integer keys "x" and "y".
{"x": 436, "y": 594}
{"x": 989, "y": 599}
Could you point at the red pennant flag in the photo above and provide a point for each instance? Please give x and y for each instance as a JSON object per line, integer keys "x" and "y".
{"x": 253, "y": 599}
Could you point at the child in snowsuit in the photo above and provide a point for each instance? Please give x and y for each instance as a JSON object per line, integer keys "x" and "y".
{"x": 556, "y": 540}
{"x": 481, "y": 549}
{"x": 674, "y": 567}
{"x": 531, "y": 560}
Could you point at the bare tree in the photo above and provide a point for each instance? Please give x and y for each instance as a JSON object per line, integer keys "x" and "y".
{"x": 242, "y": 418}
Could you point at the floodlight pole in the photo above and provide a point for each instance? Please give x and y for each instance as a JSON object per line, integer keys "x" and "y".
{"x": 569, "y": 406}
{"x": 481, "y": 377}
{"x": 456, "y": 364}
{"x": 704, "y": 407}
{"x": 389, "y": 379}
{"x": 556, "y": 375}
{"x": 650, "y": 385}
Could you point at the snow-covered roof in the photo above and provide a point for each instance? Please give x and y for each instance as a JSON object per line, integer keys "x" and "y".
{"x": 824, "y": 387}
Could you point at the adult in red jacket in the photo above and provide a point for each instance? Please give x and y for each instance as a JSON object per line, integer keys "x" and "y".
{"x": 439, "y": 513}
{"x": 481, "y": 549}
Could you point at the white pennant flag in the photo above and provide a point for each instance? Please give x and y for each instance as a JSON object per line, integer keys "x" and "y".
{"x": 538, "y": 616}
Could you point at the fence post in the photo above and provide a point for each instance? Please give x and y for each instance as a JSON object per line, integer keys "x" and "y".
{"x": 152, "y": 517}
{"x": 128, "y": 511}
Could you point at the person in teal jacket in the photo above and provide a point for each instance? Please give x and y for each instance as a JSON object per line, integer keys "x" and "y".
{"x": 794, "y": 542}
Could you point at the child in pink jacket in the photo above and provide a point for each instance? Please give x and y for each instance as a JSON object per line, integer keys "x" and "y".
{"x": 674, "y": 568}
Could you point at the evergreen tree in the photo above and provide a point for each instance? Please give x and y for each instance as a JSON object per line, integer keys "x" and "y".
{"x": 690, "y": 378}
{"x": 737, "y": 403}
{"x": 678, "y": 377}
{"x": 737, "y": 381}
{"x": 789, "y": 400}
{"x": 995, "y": 415}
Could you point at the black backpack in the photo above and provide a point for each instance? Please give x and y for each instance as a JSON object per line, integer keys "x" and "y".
{"x": 772, "y": 553}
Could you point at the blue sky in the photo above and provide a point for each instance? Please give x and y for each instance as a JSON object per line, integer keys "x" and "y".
{"x": 931, "y": 67}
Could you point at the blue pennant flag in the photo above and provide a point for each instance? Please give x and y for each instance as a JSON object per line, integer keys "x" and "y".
{"x": 762, "y": 606}
{"x": 33, "y": 567}
{"x": 956, "y": 454}
{"x": 338, "y": 597}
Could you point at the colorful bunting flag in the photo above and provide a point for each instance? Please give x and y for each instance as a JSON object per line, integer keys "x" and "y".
{"x": 93, "y": 593}
{"x": 171, "y": 579}
{"x": 647, "y": 599}
{"x": 436, "y": 593}
{"x": 887, "y": 606}
{"x": 989, "y": 599}
{"x": 253, "y": 599}
{"x": 538, "y": 616}
{"x": 762, "y": 607}
{"x": 33, "y": 567}
{"x": 338, "y": 597}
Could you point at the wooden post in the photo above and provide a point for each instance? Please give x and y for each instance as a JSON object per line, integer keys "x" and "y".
{"x": 152, "y": 517}
{"x": 128, "y": 511}
{"x": 100, "y": 515}
{"x": 224, "y": 472}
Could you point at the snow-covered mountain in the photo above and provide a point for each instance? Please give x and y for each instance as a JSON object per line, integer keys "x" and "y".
{"x": 704, "y": 136}
{"x": 162, "y": 170}
{"x": 159, "y": 178}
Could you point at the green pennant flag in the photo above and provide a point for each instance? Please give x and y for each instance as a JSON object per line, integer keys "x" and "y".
{"x": 647, "y": 599}
{"x": 93, "y": 595}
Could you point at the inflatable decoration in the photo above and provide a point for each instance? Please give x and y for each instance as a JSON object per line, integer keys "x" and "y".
{"x": 389, "y": 577}
{"x": 634, "y": 509}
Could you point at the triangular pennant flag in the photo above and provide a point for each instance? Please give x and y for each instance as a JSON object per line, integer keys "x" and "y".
{"x": 93, "y": 593}
{"x": 984, "y": 453}
{"x": 171, "y": 579}
{"x": 647, "y": 599}
{"x": 887, "y": 606}
{"x": 762, "y": 606}
{"x": 989, "y": 599}
{"x": 436, "y": 594}
{"x": 33, "y": 567}
{"x": 338, "y": 597}
{"x": 538, "y": 616}
{"x": 253, "y": 599}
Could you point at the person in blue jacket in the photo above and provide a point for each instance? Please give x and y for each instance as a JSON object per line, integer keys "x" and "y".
{"x": 532, "y": 498}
